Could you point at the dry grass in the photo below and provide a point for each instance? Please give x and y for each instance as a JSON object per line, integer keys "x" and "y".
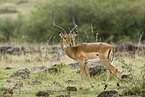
{"x": 45, "y": 58}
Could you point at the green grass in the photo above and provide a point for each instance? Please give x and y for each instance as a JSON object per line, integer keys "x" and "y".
{"x": 31, "y": 60}
{"x": 23, "y": 7}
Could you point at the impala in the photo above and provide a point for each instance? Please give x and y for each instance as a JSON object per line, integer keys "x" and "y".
{"x": 88, "y": 52}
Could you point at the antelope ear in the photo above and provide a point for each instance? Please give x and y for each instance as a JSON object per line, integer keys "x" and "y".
{"x": 61, "y": 34}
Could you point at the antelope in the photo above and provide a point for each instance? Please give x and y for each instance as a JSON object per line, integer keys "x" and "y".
{"x": 88, "y": 52}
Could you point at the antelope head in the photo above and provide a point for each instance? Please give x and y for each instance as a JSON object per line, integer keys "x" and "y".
{"x": 67, "y": 38}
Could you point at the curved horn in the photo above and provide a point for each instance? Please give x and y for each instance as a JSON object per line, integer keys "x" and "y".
{"x": 74, "y": 25}
{"x": 56, "y": 25}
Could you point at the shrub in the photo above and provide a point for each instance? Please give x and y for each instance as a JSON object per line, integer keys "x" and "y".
{"x": 10, "y": 29}
{"x": 114, "y": 20}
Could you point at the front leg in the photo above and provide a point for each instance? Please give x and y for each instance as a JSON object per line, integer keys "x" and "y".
{"x": 87, "y": 72}
{"x": 81, "y": 73}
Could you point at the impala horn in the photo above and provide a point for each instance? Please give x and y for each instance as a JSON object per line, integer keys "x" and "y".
{"x": 74, "y": 25}
{"x": 56, "y": 25}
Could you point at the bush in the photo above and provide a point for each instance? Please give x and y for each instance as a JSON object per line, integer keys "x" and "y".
{"x": 10, "y": 29}
{"x": 114, "y": 21}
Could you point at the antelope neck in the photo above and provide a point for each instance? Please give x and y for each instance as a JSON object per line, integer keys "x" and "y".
{"x": 70, "y": 51}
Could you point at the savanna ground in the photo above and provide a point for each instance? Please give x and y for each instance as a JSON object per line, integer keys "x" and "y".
{"x": 38, "y": 55}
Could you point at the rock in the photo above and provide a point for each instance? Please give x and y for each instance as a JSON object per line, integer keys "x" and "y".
{"x": 111, "y": 93}
{"x": 125, "y": 77}
{"x": 11, "y": 50}
{"x": 7, "y": 90}
{"x": 127, "y": 92}
{"x": 21, "y": 72}
{"x": 70, "y": 81}
{"x": 42, "y": 93}
{"x": 71, "y": 88}
{"x": 9, "y": 67}
{"x": 36, "y": 82}
{"x": 133, "y": 91}
{"x": 94, "y": 70}
{"x": 9, "y": 80}
{"x": 62, "y": 95}
{"x": 52, "y": 70}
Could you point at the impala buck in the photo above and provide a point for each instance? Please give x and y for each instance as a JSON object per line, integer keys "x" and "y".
{"x": 88, "y": 52}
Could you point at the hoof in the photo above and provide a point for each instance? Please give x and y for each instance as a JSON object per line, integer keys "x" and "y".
{"x": 105, "y": 87}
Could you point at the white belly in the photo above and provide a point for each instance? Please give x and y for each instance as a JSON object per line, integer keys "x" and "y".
{"x": 98, "y": 60}
{"x": 94, "y": 60}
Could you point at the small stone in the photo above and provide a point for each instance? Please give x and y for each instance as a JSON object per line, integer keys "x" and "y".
{"x": 21, "y": 72}
{"x": 71, "y": 88}
{"x": 52, "y": 70}
{"x": 42, "y": 93}
{"x": 60, "y": 95}
{"x": 9, "y": 67}
{"x": 125, "y": 77}
{"x": 111, "y": 93}
{"x": 70, "y": 81}
{"x": 7, "y": 89}
{"x": 9, "y": 80}
{"x": 36, "y": 82}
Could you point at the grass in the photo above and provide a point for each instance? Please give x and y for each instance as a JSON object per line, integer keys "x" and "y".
{"x": 31, "y": 60}
{"x": 23, "y": 7}
{"x": 45, "y": 58}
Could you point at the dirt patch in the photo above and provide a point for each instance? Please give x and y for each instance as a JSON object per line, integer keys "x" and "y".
{"x": 21, "y": 72}
{"x": 110, "y": 93}
{"x": 12, "y": 50}
{"x": 42, "y": 93}
{"x": 71, "y": 88}
{"x": 8, "y": 91}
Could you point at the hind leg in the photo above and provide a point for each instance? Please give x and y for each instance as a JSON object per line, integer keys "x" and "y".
{"x": 109, "y": 73}
{"x": 111, "y": 68}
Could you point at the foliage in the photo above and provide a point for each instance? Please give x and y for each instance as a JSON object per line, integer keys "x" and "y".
{"x": 114, "y": 20}
{"x": 10, "y": 29}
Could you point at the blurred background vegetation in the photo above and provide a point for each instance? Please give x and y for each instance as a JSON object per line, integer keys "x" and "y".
{"x": 113, "y": 21}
